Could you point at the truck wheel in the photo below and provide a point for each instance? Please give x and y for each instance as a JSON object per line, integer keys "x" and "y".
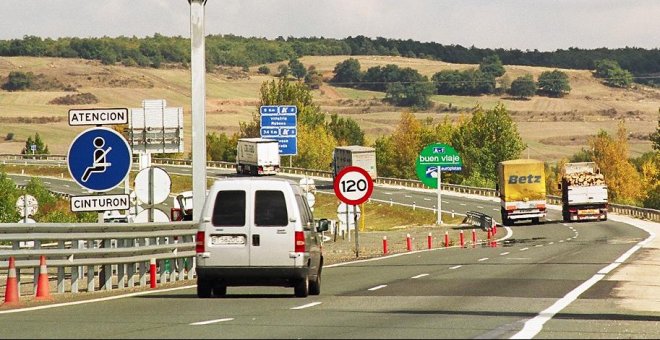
{"x": 204, "y": 288}
{"x": 315, "y": 286}
{"x": 302, "y": 288}
{"x": 253, "y": 171}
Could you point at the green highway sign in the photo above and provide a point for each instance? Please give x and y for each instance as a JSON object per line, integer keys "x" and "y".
{"x": 434, "y": 156}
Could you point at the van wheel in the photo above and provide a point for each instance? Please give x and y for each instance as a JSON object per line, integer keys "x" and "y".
{"x": 302, "y": 288}
{"x": 535, "y": 220}
{"x": 219, "y": 290}
{"x": 203, "y": 288}
{"x": 315, "y": 286}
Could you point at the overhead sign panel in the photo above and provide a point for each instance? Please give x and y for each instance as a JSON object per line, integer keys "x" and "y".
{"x": 278, "y": 109}
{"x": 98, "y": 116}
{"x": 100, "y": 203}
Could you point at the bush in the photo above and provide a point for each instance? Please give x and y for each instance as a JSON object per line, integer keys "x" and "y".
{"x": 10, "y": 136}
{"x": 264, "y": 69}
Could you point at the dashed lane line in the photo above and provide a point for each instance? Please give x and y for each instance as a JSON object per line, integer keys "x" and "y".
{"x": 308, "y": 305}
{"x": 202, "y": 323}
{"x": 377, "y": 287}
{"x": 505, "y": 253}
{"x": 482, "y": 259}
{"x": 455, "y": 267}
{"x": 418, "y": 276}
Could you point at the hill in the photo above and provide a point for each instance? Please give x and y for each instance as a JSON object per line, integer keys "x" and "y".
{"x": 552, "y": 127}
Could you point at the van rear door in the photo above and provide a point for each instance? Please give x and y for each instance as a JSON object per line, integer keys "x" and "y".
{"x": 273, "y": 229}
{"x": 228, "y": 235}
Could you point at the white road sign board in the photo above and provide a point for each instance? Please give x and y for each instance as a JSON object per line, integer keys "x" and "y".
{"x": 99, "y": 203}
{"x": 111, "y": 116}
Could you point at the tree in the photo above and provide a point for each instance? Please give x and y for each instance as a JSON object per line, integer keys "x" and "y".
{"x": 8, "y": 212}
{"x": 554, "y": 83}
{"x": 297, "y": 68}
{"x": 282, "y": 71}
{"x": 613, "y": 74}
{"x": 263, "y": 69}
{"x": 347, "y": 73}
{"x": 345, "y": 130}
{"x": 415, "y": 95}
{"x": 315, "y": 146}
{"x": 655, "y": 137}
{"x": 18, "y": 81}
{"x": 523, "y": 87}
{"x": 219, "y": 147}
{"x": 492, "y": 65}
{"x": 40, "y": 147}
{"x": 406, "y": 145}
{"x": 486, "y": 139}
{"x": 611, "y": 155}
{"x": 313, "y": 79}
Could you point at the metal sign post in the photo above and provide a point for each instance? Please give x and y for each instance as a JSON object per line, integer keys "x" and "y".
{"x": 430, "y": 163}
{"x": 353, "y": 185}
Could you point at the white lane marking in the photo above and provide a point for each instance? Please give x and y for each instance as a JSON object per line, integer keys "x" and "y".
{"x": 445, "y": 201}
{"x": 455, "y": 267}
{"x": 568, "y": 239}
{"x": 535, "y": 325}
{"x": 158, "y": 291}
{"x": 523, "y": 249}
{"x": 551, "y": 243}
{"x": 66, "y": 185}
{"x": 407, "y": 196}
{"x": 480, "y": 207}
{"x": 377, "y": 287}
{"x": 495, "y": 209}
{"x": 427, "y": 199}
{"x": 482, "y": 259}
{"x": 388, "y": 193}
{"x": 561, "y": 241}
{"x": 418, "y": 276}
{"x": 505, "y": 253}
{"x": 46, "y": 182}
{"x": 538, "y": 245}
{"x": 201, "y": 323}
{"x": 463, "y": 204}
{"x": 308, "y": 305}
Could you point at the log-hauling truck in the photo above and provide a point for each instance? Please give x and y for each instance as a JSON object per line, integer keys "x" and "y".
{"x": 583, "y": 192}
{"x": 521, "y": 188}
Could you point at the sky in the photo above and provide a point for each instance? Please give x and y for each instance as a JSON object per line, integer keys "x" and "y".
{"x": 546, "y": 25}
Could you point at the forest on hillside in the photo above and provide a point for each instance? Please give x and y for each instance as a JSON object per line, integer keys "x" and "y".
{"x": 230, "y": 50}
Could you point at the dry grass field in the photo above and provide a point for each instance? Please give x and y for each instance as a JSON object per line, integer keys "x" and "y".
{"x": 552, "y": 127}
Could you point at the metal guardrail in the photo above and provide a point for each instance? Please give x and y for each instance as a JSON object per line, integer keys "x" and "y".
{"x": 122, "y": 251}
{"x": 632, "y": 211}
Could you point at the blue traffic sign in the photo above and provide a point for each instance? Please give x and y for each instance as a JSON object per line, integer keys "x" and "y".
{"x": 288, "y": 145}
{"x": 278, "y": 109}
{"x": 278, "y": 121}
{"x": 99, "y": 159}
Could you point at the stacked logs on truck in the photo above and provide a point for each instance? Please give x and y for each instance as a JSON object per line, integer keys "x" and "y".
{"x": 584, "y": 179}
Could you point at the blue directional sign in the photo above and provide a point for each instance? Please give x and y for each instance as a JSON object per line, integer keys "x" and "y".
{"x": 288, "y": 145}
{"x": 99, "y": 159}
{"x": 278, "y": 109}
{"x": 288, "y": 120}
{"x": 279, "y": 122}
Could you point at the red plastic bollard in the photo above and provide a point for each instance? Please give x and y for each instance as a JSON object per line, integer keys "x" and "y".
{"x": 429, "y": 240}
{"x": 408, "y": 242}
{"x": 384, "y": 244}
{"x": 462, "y": 239}
{"x": 152, "y": 273}
{"x": 446, "y": 239}
{"x": 474, "y": 238}
{"x": 494, "y": 229}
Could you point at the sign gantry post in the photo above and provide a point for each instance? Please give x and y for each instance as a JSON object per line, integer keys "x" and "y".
{"x": 430, "y": 163}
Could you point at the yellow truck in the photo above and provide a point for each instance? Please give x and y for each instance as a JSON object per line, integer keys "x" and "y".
{"x": 522, "y": 192}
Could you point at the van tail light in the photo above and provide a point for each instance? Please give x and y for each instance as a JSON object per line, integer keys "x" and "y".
{"x": 300, "y": 242}
{"x": 199, "y": 242}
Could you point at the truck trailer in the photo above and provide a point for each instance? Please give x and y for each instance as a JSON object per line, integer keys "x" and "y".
{"x": 257, "y": 156}
{"x": 583, "y": 192}
{"x": 522, "y": 192}
{"x": 354, "y": 155}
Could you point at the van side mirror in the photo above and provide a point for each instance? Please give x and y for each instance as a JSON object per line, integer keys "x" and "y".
{"x": 322, "y": 225}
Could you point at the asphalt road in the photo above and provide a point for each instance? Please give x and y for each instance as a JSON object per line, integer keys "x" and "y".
{"x": 443, "y": 293}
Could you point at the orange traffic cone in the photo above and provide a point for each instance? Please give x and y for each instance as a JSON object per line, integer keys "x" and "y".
{"x": 43, "y": 287}
{"x": 11, "y": 292}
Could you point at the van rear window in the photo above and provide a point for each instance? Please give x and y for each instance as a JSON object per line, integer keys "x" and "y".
{"x": 270, "y": 208}
{"x": 229, "y": 208}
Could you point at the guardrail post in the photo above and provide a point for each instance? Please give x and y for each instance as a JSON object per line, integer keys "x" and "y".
{"x": 60, "y": 271}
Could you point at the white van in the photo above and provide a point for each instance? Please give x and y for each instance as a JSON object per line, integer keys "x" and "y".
{"x": 258, "y": 232}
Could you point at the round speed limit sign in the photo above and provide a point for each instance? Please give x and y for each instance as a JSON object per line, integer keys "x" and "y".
{"x": 353, "y": 185}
